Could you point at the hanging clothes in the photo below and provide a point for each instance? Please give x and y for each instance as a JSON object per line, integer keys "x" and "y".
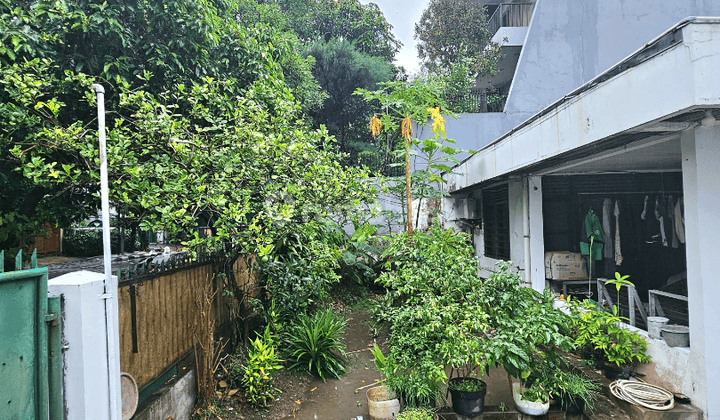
{"x": 644, "y": 212}
{"x": 595, "y": 237}
{"x": 618, "y": 253}
{"x": 671, "y": 223}
{"x": 607, "y": 237}
{"x": 660, "y": 219}
{"x": 680, "y": 220}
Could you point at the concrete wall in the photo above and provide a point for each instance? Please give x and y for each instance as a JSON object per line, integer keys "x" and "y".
{"x": 700, "y": 153}
{"x": 570, "y": 42}
{"x": 85, "y": 364}
{"x": 475, "y": 131}
{"x": 174, "y": 401}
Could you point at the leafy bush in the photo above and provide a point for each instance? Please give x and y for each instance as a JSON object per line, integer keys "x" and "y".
{"x": 314, "y": 344}
{"x": 301, "y": 270}
{"x": 441, "y": 313}
{"x": 89, "y": 243}
{"x": 599, "y": 329}
{"x": 260, "y": 366}
{"x": 416, "y": 414}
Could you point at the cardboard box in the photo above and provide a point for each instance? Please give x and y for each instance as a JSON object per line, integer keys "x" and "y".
{"x": 563, "y": 265}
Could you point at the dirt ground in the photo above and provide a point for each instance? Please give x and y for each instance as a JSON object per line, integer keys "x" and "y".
{"x": 305, "y": 397}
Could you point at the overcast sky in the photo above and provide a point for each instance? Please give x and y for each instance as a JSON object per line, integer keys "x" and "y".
{"x": 402, "y": 15}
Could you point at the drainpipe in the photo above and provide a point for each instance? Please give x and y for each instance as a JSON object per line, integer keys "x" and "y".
{"x": 526, "y": 230}
{"x": 110, "y": 296}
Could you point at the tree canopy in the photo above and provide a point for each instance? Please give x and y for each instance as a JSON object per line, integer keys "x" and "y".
{"x": 203, "y": 122}
{"x": 451, "y": 29}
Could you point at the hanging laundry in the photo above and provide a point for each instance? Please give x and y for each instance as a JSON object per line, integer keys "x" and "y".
{"x": 595, "y": 237}
{"x": 618, "y": 253}
{"x": 680, "y": 220}
{"x": 607, "y": 237}
{"x": 671, "y": 222}
{"x": 660, "y": 219}
{"x": 644, "y": 213}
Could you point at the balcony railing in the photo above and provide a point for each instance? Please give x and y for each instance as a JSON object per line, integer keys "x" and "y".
{"x": 510, "y": 15}
{"x": 478, "y": 100}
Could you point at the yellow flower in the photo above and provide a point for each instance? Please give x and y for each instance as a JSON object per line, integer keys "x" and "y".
{"x": 375, "y": 126}
{"x": 406, "y": 127}
{"x": 438, "y": 120}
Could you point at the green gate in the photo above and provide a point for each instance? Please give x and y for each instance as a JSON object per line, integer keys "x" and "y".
{"x": 30, "y": 344}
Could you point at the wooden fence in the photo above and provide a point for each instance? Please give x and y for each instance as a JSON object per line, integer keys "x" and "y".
{"x": 158, "y": 313}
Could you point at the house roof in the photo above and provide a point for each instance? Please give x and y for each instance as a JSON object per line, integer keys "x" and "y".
{"x": 652, "y": 95}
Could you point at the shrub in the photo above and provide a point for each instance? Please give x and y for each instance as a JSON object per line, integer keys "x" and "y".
{"x": 314, "y": 344}
{"x": 416, "y": 414}
{"x": 260, "y": 366}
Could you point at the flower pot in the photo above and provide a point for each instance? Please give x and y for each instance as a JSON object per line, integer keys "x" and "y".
{"x": 380, "y": 405}
{"x": 467, "y": 403}
{"x": 572, "y": 404}
{"x": 654, "y": 324}
{"x": 676, "y": 335}
{"x": 528, "y": 407}
{"x": 615, "y": 372}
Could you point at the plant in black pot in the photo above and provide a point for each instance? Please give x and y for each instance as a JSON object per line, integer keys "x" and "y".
{"x": 576, "y": 392}
{"x": 435, "y": 308}
{"x": 468, "y": 395}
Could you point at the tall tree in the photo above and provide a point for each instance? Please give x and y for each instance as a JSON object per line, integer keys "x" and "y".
{"x": 353, "y": 46}
{"x": 160, "y": 135}
{"x": 451, "y": 29}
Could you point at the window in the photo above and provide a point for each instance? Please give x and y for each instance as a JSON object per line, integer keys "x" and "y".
{"x": 496, "y": 220}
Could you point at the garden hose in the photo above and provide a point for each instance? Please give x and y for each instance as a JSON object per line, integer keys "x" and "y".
{"x": 643, "y": 394}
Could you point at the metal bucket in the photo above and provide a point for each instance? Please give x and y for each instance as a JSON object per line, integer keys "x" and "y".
{"x": 655, "y": 324}
{"x": 676, "y": 335}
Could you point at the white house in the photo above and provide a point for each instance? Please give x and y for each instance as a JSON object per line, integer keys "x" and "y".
{"x": 610, "y": 102}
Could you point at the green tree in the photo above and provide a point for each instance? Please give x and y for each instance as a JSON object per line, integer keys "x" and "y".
{"x": 451, "y": 29}
{"x": 353, "y": 47}
{"x": 181, "y": 43}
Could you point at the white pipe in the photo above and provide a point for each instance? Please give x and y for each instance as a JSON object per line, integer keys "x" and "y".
{"x": 526, "y": 230}
{"x": 111, "y": 311}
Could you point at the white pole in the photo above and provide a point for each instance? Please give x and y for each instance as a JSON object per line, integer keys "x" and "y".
{"x": 111, "y": 311}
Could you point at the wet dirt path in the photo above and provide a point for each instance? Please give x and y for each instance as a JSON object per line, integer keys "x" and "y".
{"x": 336, "y": 399}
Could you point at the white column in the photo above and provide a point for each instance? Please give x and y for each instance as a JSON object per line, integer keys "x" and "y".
{"x": 517, "y": 226}
{"x": 700, "y": 157}
{"x": 85, "y": 365}
{"x": 537, "y": 236}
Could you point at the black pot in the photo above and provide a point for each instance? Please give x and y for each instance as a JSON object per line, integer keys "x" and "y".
{"x": 572, "y": 404}
{"x": 615, "y": 372}
{"x": 467, "y": 403}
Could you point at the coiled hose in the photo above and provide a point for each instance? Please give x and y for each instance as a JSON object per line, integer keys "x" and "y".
{"x": 643, "y": 394}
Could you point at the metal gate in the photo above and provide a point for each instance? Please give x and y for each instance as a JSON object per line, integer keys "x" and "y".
{"x": 30, "y": 345}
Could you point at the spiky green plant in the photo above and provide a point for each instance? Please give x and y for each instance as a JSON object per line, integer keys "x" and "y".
{"x": 315, "y": 344}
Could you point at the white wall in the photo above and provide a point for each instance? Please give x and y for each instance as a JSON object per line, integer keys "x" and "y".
{"x": 570, "y": 42}
{"x": 85, "y": 365}
{"x": 701, "y": 152}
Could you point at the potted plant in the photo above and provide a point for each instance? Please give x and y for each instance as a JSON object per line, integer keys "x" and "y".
{"x": 436, "y": 311}
{"x": 601, "y": 331}
{"x": 468, "y": 395}
{"x": 576, "y": 392}
{"x": 382, "y": 402}
{"x": 533, "y": 400}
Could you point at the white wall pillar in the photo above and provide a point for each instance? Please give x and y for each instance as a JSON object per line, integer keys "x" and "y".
{"x": 700, "y": 155}
{"x": 517, "y": 243}
{"x": 537, "y": 235}
{"x": 85, "y": 365}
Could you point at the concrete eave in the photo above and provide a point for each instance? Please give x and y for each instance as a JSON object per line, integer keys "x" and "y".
{"x": 648, "y": 86}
